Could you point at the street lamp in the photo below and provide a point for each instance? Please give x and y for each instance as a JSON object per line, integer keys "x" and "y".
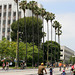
{"x": 17, "y": 51}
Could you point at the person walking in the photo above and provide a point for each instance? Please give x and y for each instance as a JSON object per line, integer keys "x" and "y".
{"x": 41, "y": 68}
{"x": 7, "y": 65}
{"x": 51, "y": 70}
{"x": 3, "y": 65}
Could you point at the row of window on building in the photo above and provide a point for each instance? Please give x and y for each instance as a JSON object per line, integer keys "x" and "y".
{"x": 8, "y": 18}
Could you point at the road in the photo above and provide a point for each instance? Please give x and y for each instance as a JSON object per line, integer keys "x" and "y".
{"x": 30, "y": 72}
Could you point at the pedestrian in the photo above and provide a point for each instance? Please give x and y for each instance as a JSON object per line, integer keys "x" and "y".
{"x": 21, "y": 65}
{"x": 63, "y": 73}
{"x": 3, "y": 65}
{"x": 7, "y": 65}
{"x": 41, "y": 68}
{"x": 51, "y": 70}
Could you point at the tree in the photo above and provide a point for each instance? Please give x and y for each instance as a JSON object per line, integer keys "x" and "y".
{"x": 23, "y": 6}
{"x": 29, "y": 29}
{"x": 43, "y": 13}
{"x": 55, "y": 26}
{"x": 52, "y": 17}
{"x": 17, "y": 54}
{"x": 32, "y": 5}
{"x": 37, "y": 12}
{"x": 4, "y": 47}
{"x": 47, "y": 18}
{"x": 59, "y": 32}
{"x": 53, "y": 45}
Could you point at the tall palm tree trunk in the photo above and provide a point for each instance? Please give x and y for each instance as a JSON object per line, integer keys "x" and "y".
{"x": 25, "y": 36}
{"x": 43, "y": 39}
{"x": 17, "y": 53}
{"x": 33, "y": 38}
{"x": 47, "y": 41}
{"x": 38, "y": 39}
{"x": 55, "y": 45}
{"x": 51, "y": 42}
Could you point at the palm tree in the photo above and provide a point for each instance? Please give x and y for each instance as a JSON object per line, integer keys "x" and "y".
{"x": 52, "y": 17}
{"x": 32, "y": 5}
{"x": 17, "y": 52}
{"x": 47, "y": 18}
{"x": 37, "y": 12}
{"x": 59, "y": 32}
{"x": 55, "y": 25}
{"x": 23, "y": 6}
{"x": 43, "y": 13}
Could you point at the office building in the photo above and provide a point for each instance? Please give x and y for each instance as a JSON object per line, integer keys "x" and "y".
{"x": 65, "y": 53}
{"x": 8, "y": 15}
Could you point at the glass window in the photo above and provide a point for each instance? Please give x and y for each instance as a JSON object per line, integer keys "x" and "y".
{"x": 0, "y": 14}
{"x": 14, "y": 14}
{"x": 9, "y": 14}
{"x": 9, "y": 21}
{"x": 8, "y": 37}
{"x": 4, "y": 21}
{"x": 0, "y": 7}
{"x": 4, "y": 6}
{"x": 9, "y": 6}
{"x": 4, "y": 14}
{"x": 8, "y": 30}
{"x": 3, "y": 29}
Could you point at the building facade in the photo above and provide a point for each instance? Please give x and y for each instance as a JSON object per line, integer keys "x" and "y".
{"x": 65, "y": 53}
{"x": 8, "y": 15}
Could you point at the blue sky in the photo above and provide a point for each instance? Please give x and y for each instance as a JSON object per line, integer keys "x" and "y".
{"x": 65, "y": 15}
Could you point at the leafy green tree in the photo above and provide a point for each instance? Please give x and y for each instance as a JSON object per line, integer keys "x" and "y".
{"x": 4, "y": 47}
{"x": 29, "y": 30}
{"x": 53, "y": 55}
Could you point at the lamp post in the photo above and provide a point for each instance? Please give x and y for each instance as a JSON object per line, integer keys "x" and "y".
{"x": 17, "y": 51}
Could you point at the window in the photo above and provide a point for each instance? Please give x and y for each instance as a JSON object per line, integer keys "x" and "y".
{"x": 8, "y": 37}
{"x": 4, "y": 21}
{"x": 4, "y": 14}
{"x": 3, "y": 29}
{"x": 0, "y": 7}
{"x": 14, "y": 14}
{"x": 9, "y": 14}
{"x": 9, "y": 21}
{"x": 0, "y": 14}
{"x": 61, "y": 50}
{"x": 8, "y": 30}
{"x": 9, "y": 6}
{"x": 5, "y": 6}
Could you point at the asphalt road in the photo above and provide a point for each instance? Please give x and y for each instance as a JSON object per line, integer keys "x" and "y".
{"x": 30, "y": 72}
